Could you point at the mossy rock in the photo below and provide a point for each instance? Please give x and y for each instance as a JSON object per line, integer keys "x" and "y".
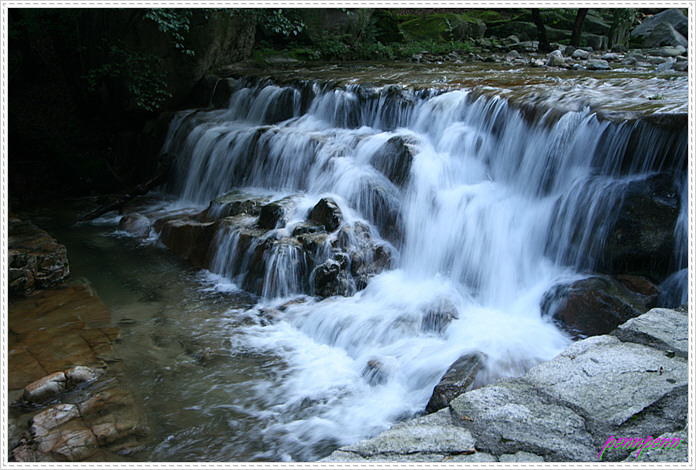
{"x": 442, "y": 27}
{"x": 387, "y": 26}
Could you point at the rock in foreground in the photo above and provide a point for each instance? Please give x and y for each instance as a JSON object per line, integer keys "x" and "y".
{"x": 630, "y": 383}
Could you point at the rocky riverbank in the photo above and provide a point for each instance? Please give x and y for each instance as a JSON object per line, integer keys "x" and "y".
{"x": 630, "y": 383}
{"x": 67, "y": 402}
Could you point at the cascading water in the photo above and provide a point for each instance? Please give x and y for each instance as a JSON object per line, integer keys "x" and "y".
{"x": 484, "y": 210}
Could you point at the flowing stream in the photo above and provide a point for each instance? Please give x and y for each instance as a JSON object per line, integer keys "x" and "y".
{"x": 483, "y": 216}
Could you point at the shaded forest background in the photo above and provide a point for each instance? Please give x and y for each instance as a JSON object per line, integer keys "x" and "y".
{"x": 91, "y": 91}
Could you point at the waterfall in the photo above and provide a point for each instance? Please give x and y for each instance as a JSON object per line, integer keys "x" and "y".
{"x": 483, "y": 207}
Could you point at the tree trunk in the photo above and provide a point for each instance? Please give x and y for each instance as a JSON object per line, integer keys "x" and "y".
{"x": 577, "y": 29}
{"x": 543, "y": 41}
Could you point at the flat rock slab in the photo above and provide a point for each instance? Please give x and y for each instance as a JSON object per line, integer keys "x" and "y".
{"x": 659, "y": 328}
{"x": 610, "y": 381}
{"x": 56, "y": 329}
{"x": 511, "y": 416}
{"x": 429, "y": 438}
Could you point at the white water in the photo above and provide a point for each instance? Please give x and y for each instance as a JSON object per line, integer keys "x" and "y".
{"x": 477, "y": 225}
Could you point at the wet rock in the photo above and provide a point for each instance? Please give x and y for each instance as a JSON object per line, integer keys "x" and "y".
{"x": 135, "y": 224}
{"x": 326, "y": 213}
{"x": 189, "y": 238}
{"x": 667, "y": 65}
{"x": 595, "y": 305}
{"x": 35, "y": 259}
{"x": 80, "y": 375}
{"x": 670, "y": 51}
{"x": 611, "y": 56}
{"x": 394, "y": 159}
{"x": 664, "y": 34}
{"x": 45, "y": 388}
{"x": 597, "y": 64}
{"x": 233, "y": 204}
{"x": 457, "y": 380}
{"x": 580, "y": 54}
{"x": 568, "y": 51}
{"x": 438, "y": 315}
{"x": 555, "y": 59}
{"x": 330, "y": 279}
{"x": 271, "y": 216}
{"x": 512, "y": 55}
{"x": 642, "y": 239}
{"x": 681, "y": 66}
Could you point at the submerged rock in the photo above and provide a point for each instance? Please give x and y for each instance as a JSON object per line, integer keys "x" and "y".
{"x": 438, "y": 315}
{"x": 135, "y": 224}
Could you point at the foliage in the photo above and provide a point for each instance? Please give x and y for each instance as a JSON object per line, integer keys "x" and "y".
{"x": 173, "y": 21}
{"x": 145, "y": 81}
{"x": 280, "y": 22}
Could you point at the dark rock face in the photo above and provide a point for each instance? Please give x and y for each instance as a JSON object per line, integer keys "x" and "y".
{"x": 271, "y": 214}
{"x": 330, "y": 279}
{"x": 189, "y": 238}
{"x": 457, "y": 380}
{"x": 326, "y": 213}
{"x": 642, "y": 240}
{"x": 35, "y": 259}
{"x": 598, "y": 304}
{"x": 394, "y": 159}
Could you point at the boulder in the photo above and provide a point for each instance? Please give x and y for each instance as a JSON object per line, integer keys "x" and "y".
{"x": 555, "y": 59}
{"x": 674, "y": 17}
{"x": 135, "y": 224}
{"x": 611, "y": 56}
{"x": 394, "y": 159}
{"x": 580, "y": 54}
{"x": 45, "y": 388}
{"x": 458, "y": 379}
{"x": 189, "y": 238}
{"x": 271, "y": 216}
{"x": 433, "y": 437}
{"x": 642, "y": 239}
{"x": 232, "y": 204}
{"x": 597, "y": 64}
{"x": 670, "y": 51}
{"x": 596, "y": 305}
{"x": 326, "y": 213}
{"x": 330, "y": 278}
{"x": 664, "y": 34}
{"x": 35, "y": 259}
